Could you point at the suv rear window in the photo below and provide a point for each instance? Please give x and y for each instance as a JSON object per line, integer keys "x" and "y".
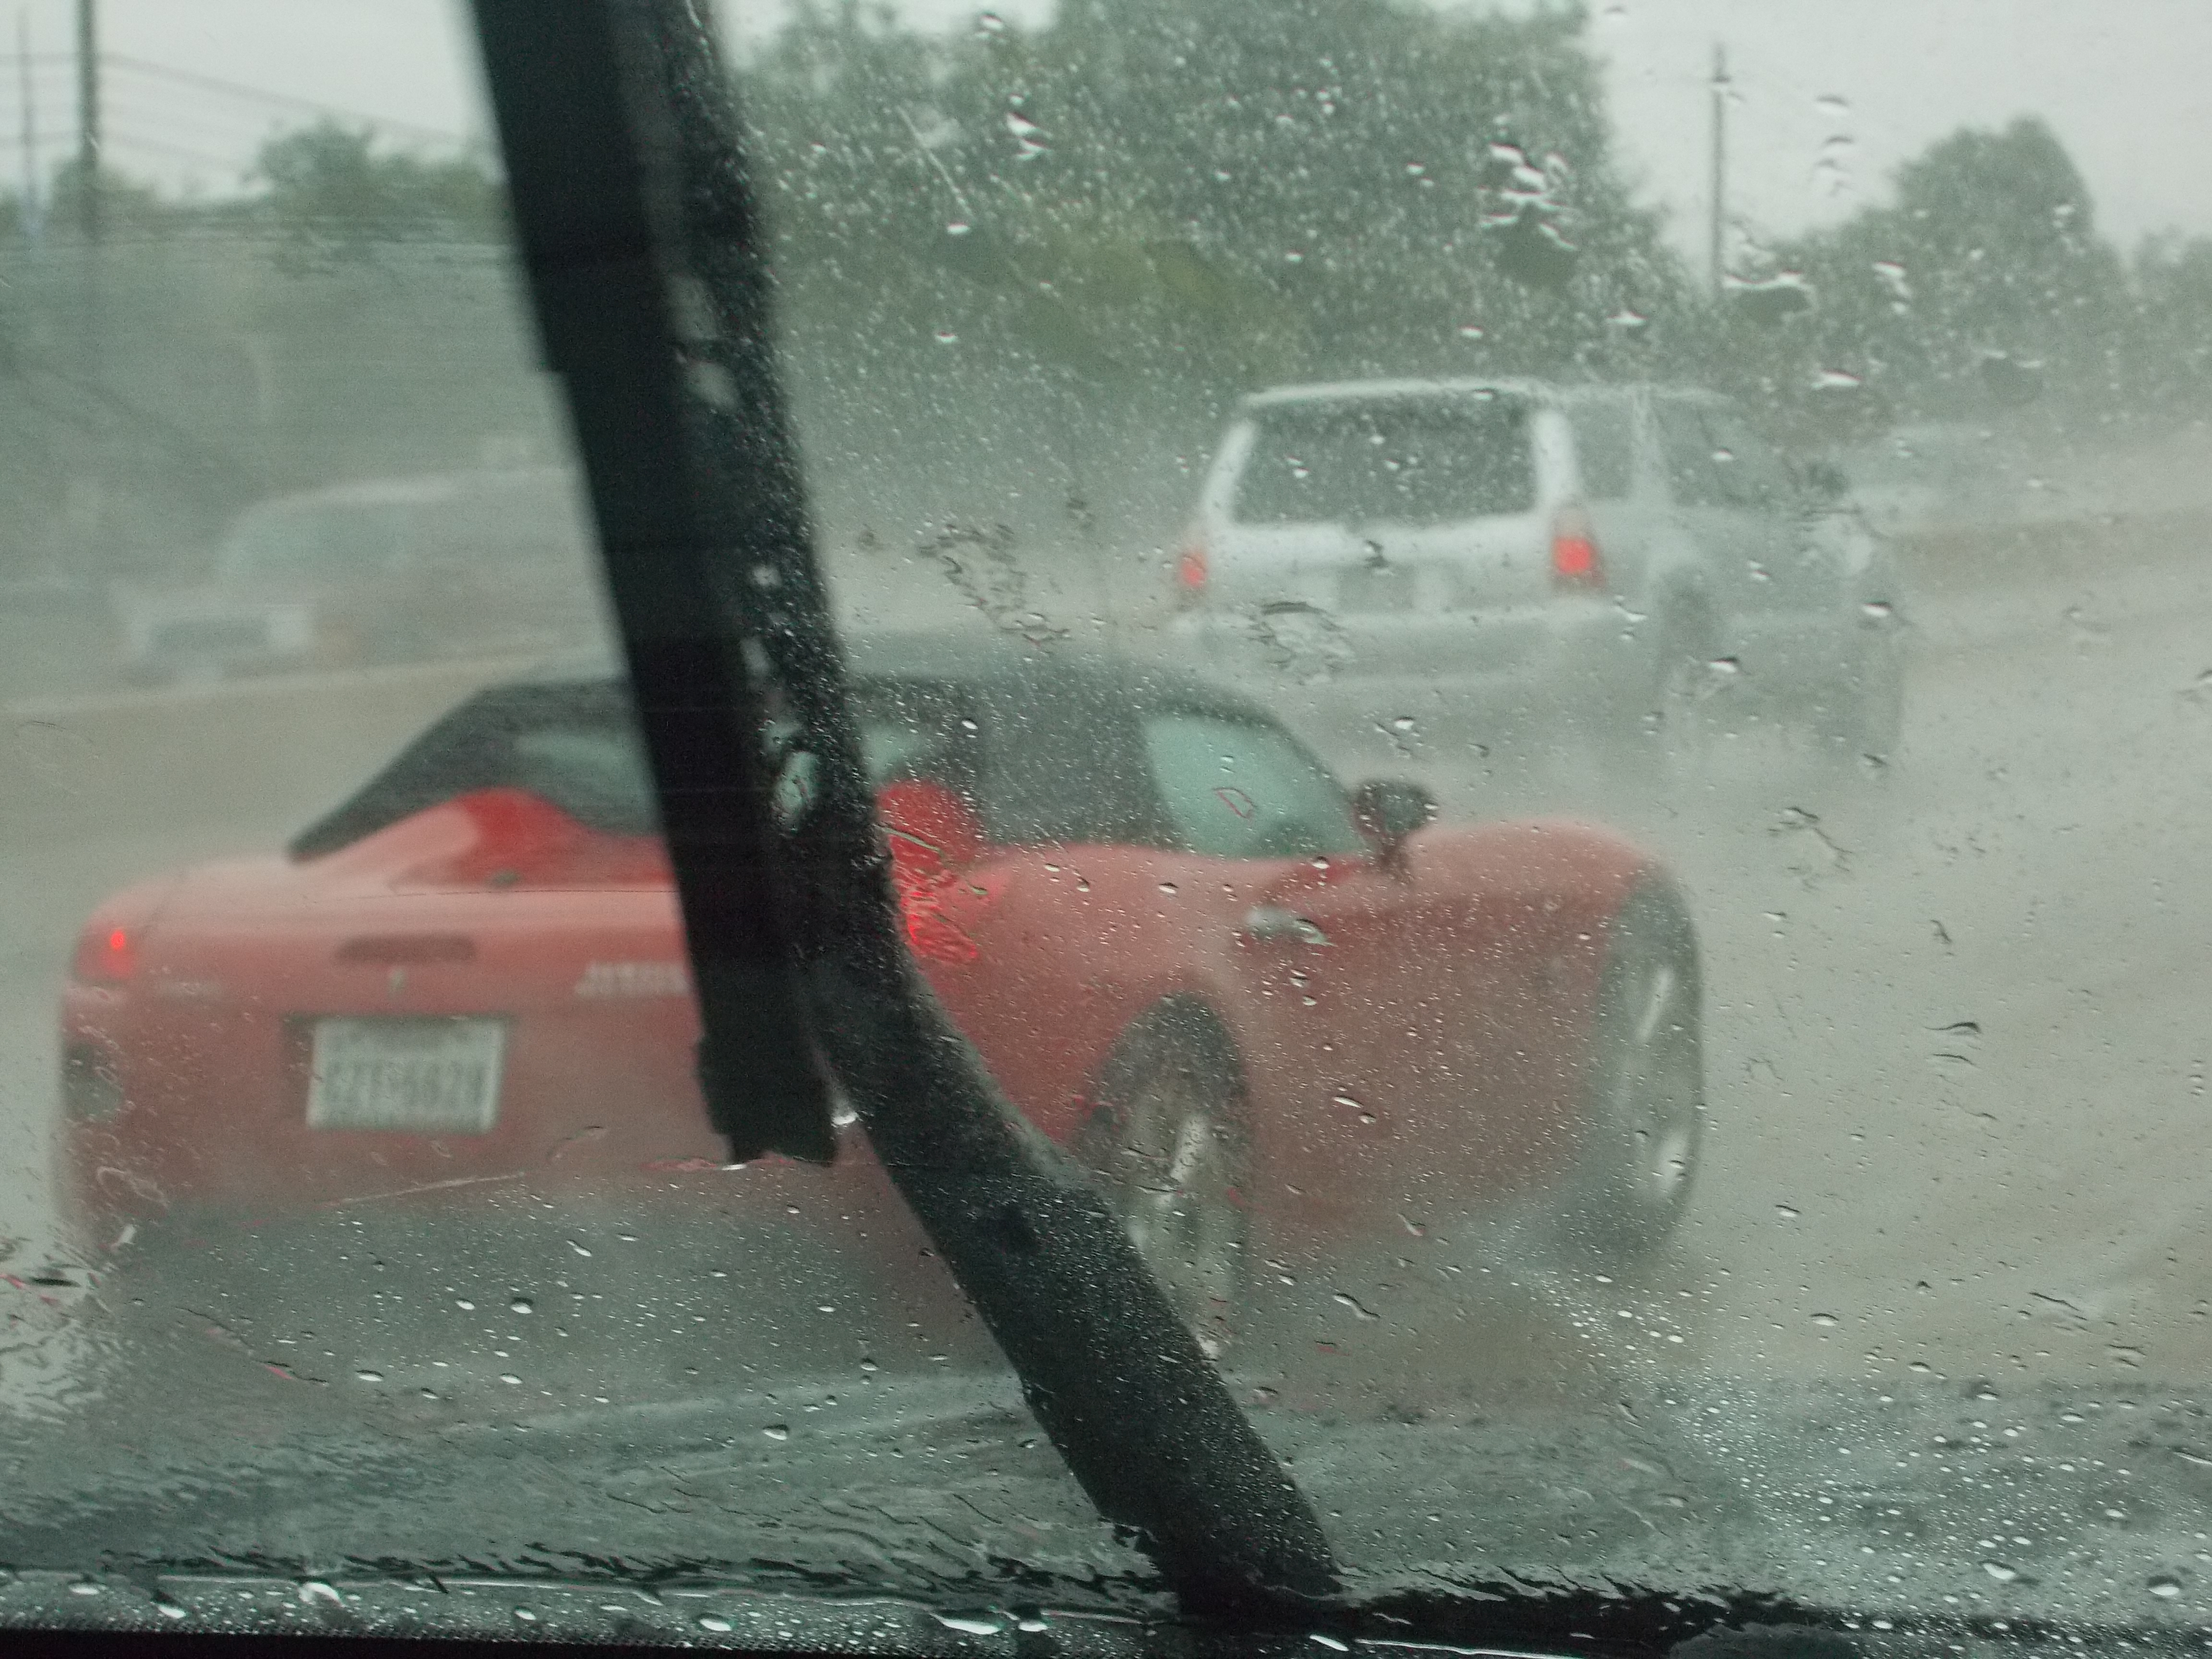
{"x": 1413, "y": 461}
{"x": 1605, "y": 448}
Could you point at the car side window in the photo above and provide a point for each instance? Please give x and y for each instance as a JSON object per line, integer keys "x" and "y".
{"x": 1605, "y": 450}
{"x": 1714, "y": 458}
{"x": 1237, "y": 789}
{"x": 1749, "y": 471}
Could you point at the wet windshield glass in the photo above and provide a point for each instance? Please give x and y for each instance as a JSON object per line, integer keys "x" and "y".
{"x": 1397, "y": 462}
{"x": 1535, "y": 680}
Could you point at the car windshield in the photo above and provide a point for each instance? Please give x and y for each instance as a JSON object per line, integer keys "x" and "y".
{"x": 1527, "y": 675}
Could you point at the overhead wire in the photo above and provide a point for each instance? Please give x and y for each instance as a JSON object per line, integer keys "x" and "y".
{"x": 226, "y": 139}
{"x": 276, "y": 99}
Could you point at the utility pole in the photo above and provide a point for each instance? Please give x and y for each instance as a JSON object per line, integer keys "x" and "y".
{"x": 1715, "y": 253}
{"x": 88, "y": 120}
{"x": 26, "y": 98}
{"x": 89, "y": 487}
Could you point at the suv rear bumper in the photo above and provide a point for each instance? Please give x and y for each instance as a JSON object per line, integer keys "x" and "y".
{"x": 1584, "y": 664}
{"x": 1571, "y": 653}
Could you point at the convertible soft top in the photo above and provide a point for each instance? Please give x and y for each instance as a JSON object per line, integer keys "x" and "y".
{"x": 1055, "y": 748}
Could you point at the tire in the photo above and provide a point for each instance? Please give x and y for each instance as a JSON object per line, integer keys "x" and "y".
{"x": 1168, "y": 1141}
{"x": 1643, "y": 1087}
{"x": 1685, "y": 690}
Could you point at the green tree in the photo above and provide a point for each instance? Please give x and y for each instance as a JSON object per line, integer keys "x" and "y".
{"x": 1190, "y": 186}
{"x": 2167, "y": 361}
{"x": 127, "y": 207}
{"x": 327, "y": 187}
{"x": 1984, "y": 283}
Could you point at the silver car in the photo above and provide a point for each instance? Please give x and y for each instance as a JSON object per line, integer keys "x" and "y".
{"x": 1635, "y": 562}
{"x": 386, "y": 570}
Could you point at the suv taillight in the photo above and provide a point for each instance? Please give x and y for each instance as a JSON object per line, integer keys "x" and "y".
{"x": 105, "y": 956}
{"x": 1190, "y": 572}
{"x": 1575, "y": 560}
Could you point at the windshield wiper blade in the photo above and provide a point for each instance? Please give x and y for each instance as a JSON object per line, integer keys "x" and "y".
{"x": 646, "y": 265}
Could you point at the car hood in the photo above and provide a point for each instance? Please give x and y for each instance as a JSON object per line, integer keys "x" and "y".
{"x": 1875, "y": 1505}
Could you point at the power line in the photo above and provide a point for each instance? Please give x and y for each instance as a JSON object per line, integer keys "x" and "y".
{"x": 89, "y": 69}
{"x": 162, "y": 146}
{"x": 276, "y": 99}
{"x": 223, "y": 125}
{"x": 64, "y": 62}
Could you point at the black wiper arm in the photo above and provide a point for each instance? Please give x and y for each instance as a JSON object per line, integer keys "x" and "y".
{"x": 644, "y": 261}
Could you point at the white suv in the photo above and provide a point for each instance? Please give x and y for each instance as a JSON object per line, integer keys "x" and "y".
{"x": 1609, "y": 557}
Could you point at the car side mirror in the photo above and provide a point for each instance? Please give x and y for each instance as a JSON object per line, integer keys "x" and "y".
{"x": 1390, "y": 810}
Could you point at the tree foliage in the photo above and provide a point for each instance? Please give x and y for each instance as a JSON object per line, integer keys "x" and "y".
{"x": 1982, "y": 284}
{"x": 327, "y": 186}
{"x": 1206, "y": 188}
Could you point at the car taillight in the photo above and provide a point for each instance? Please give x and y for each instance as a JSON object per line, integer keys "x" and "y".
{"x": 1190, "y": 573}
{"x": 1575, "y": 560}
{"x": 105, "y": 956}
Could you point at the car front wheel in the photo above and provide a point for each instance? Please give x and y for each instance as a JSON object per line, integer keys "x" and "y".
{"x": 1643, "y": 1086}
{"x": 1168, "y": 1144}
{"x": 1669, "y": 729}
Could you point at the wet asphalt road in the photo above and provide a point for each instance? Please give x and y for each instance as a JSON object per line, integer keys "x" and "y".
{"x": 1955, "y": 1186}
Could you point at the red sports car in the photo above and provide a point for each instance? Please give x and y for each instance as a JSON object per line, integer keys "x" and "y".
{"x": 1285, "y": 1023}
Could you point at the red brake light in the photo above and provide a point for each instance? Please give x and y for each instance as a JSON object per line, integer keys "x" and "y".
{"x": 933, "y": 833}
{"x": 106, "y": 955}
{"x": 1575, "y": 560}
{"x": 1190, "y": 570}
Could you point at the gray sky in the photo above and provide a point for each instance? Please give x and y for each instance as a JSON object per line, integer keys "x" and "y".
{"x": 1830, "y": 95}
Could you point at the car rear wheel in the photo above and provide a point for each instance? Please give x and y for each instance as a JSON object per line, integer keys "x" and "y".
{"x": 1167, "y": 1141}
{"x": 1686, "y": 719}
{"x": 1672, "y": 730}
{"x": 1644, "y": 1090}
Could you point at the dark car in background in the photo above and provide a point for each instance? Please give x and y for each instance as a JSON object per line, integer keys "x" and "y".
{"x": 390, "y": 570}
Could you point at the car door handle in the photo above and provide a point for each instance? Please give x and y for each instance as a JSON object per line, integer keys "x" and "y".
{"x": 1273, "y": 921}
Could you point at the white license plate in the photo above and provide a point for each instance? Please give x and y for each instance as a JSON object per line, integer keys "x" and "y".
{"x": 430, "y": 1076}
